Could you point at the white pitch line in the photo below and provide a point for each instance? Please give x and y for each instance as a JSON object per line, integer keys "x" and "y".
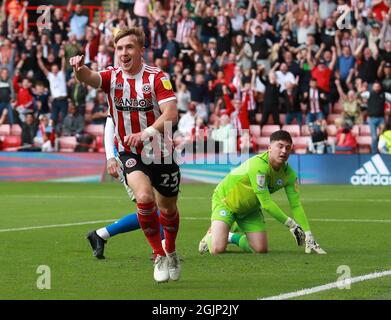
{"x": 106, "y": 197}
{"x": 183, "y": 218}
{"x": 332, "y": 285}
{"x": 55, "y": 225}
{"x": 351, "y": 220}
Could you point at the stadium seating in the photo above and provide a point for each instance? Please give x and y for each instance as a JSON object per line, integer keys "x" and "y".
{"x": 16, "y": 130}
{"x": 255, "y": 130}
{"x": 305, "y": 130}
{"x": 364, "y": 144}
{"x": 293, "y": 129}
{"x": 89, "y": 107}
{"x": 67, "y": 144}
{"x": 11, "y": 143}
{"x": 332, "y": 117}
{"x": 282, "y": 118}
{"x": 5, "y": 130}
{"x": 88, "y": 115}
{"x": 300, "y": 144}
{"x": 331, "y": 130}
{"x": 263, "y": 143}
{"x": 355, "y": 130}
{"x": 364, "y": 130}
{"x": 99, "y": 145}
{"x": 337, "y": 107}
{"x": 95, "y": 129}
{"x": 268, "y": 129}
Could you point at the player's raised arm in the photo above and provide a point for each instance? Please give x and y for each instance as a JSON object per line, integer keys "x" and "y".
{"x": 83, "y": 73}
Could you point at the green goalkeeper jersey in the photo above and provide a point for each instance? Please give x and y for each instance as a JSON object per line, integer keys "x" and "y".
{"x": 248, "y": 188}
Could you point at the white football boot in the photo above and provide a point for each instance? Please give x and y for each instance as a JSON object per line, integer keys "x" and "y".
{"x": 312, "y": 245}
{"x": 174, "y": 266}
{"x": 160, "y": 273}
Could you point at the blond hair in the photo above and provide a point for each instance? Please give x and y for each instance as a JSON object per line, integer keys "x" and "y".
{"x": 137, "y": 32}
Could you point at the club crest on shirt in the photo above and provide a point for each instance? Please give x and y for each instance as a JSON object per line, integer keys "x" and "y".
{"x": 119, "y": 86}
{"x": 261, "y": 181}
{"x": 146, "y": 88}
{"x": 223, "y": 213}
{"x": 280, "y": 182}
{"x": 130, "y": 163}
{"x": 166, "y": 83}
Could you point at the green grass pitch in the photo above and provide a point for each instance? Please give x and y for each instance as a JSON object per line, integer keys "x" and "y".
{"x": 351, "y": 223}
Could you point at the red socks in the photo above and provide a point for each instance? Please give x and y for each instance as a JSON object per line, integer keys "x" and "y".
{"x": 149, "y": 223}
{"x": 170, "y": 226}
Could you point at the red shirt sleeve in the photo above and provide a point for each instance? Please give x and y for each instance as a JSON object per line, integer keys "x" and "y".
{"x": 163, "y": 88}
{"x": 106, "y": 79}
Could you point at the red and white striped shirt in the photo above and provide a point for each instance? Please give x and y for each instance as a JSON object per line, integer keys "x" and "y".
{"x": 134, "y": 100}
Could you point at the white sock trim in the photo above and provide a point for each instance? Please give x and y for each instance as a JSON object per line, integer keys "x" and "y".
{"x": 290, "y": 223}
{"x": 103, "y": 233}
{"x": 230, "y": 234}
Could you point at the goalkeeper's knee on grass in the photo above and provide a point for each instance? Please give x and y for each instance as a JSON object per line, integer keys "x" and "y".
{"x": 242, "y": 242}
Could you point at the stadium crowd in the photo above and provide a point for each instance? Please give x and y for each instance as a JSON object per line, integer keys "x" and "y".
{"x": 233, "y": 65}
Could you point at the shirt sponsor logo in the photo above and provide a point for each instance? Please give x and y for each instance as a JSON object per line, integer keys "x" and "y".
{"x": 374, "y": 172}
{"x": 130, "y": 163}
{"x": 166, "y": 83}
{"x": 122, "y": 104}
{"x": 119, "y": 86}
{"x": 261, "y": 181}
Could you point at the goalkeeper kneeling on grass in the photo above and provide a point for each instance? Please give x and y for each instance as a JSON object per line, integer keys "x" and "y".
{"x": 244, "y": 195}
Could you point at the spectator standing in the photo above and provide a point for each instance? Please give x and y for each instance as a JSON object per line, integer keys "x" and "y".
{"x": 376, "y": 99}
{"x": 73, "y": 123}
{"x": 7, "y": 95}
{"x": 291, "y": 101}
{"x": 41, "y": 99}
{"x": 58, "y": 88}
{"x": 346, "y": 142}
{"x": 99, "y": 112}
{"x": 271, "y": 99}
{"x": 350, "y": 104}
{"x": 77, "y": 21}
{"x": 24, "y": 100}
{"x": 384, "y": 145}
{"x": 315, "y": 100}
{"x": 78, "y": 93}
{"x": 29, "y": 130}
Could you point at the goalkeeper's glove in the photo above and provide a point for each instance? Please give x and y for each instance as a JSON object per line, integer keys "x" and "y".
{"x": 312, "y": 245}
{"x": 298, "y": 234}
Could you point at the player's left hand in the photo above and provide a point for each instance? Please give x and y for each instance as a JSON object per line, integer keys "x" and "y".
{"x": 312, "y": 245}
{"x": 133, "y": 140}
{"x": 112, "y": 167}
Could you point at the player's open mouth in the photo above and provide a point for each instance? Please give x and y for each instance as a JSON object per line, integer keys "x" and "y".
{"x": 126, "y": 61}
